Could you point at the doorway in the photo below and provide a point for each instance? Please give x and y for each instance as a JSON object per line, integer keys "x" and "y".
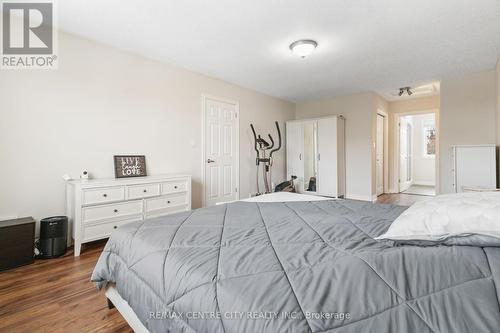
{"x": 417, "y": 154}
{"x": 220, "y": 144}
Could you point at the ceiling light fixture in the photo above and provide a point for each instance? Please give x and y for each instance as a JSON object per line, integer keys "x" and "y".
{"x": 405, "y": 90}
{"x": 303, "y": 47}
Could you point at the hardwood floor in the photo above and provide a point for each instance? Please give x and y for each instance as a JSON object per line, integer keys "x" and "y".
{"x": 56, "y": 295}
{"x": 400, "y": 199}
{"x": 421, "y": 190}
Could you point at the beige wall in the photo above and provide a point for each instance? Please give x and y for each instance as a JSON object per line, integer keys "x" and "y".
{"x": 467, "y": 116}
{"x": 358, "y": 111}
{"x": 414, "y": 105}
{"x": 498, "y": 106}
{"x": 103, "y": 101}
{"x": 409, "y": 106}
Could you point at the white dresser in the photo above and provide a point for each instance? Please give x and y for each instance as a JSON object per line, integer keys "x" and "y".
{"x": 96, "y": 207}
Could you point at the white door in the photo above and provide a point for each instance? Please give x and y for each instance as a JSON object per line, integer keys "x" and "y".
{"x": 327, "y": 157}
{"x": 295, "y": 153}
{"x": 220, "y": 151}
{"x": 380, "y": 154}
{"x": 405, "y": 150}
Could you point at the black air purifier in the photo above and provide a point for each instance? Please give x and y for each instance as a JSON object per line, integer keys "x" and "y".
{"x": 53, "y": 237}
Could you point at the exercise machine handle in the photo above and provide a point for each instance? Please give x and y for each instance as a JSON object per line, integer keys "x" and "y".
{"x": 279, "y": 139}
{"x": 254, "y": 139}
{"x": 272, "y": 141}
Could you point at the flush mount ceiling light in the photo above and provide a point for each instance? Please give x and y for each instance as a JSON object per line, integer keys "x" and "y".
{"x": 303, "y": 47}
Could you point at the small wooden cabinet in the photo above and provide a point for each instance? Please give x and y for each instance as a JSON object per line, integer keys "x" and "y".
{"x": 17, "y": 241}
{"x": 97, "y": 207}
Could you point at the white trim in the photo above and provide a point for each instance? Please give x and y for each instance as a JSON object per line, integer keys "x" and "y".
{"x": 125, "y": 310}
{"x": 204, "y": 97}
{"x": 489, "y": 145}
{"x": 315, "y": 118}
{"x": 424, "y": 183}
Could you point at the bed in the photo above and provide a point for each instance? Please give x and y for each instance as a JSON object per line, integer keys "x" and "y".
{"x": 293, "y": 263}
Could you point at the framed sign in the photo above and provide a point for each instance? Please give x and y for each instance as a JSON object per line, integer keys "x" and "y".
{"x": 130, "y": 166}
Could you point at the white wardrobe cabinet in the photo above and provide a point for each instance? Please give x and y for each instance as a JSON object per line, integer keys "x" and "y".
{"x": 315, "y": 154}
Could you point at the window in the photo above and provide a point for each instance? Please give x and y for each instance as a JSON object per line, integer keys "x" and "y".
{"x": 429, "y": 138}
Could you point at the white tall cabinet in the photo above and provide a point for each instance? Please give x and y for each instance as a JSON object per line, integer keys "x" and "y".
{"x": 315, "y": 150}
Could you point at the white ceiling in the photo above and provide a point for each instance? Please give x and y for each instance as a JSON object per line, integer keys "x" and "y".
{"x": 424, "y": 90}
{"x": 364, "y": 45}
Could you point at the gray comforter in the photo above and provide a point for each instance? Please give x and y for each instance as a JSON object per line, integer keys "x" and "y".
{"x": 297, "y": 267}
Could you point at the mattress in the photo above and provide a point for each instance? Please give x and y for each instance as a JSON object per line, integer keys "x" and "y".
{"x": 296, "y": 266}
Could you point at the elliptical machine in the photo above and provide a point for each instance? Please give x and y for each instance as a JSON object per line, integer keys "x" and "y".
{"x": 261, "y": 147}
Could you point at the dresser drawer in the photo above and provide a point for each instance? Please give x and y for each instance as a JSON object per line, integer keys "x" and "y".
{"x": 165, "y": 202}
{"x": 99, "y": 231}
{"x": 174, "y": 186}
{"x": 103, "y": 195}
{"x": 113, "y": 211}
{"x": 143, "y": 191}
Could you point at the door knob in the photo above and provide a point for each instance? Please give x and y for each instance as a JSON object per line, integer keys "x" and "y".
{"x": 210, "y": 161}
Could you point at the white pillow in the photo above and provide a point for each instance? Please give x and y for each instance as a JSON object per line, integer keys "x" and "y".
{"x": 452, "y": 219}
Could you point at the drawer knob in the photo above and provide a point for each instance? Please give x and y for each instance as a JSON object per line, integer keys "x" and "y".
{"x": 116, "y": 210}
{"x": 175, "y": 187}
{"x": 114, "y": 227}
{"x": 144, "y": 190}
{"x": 105, "y": 195}
{"x": 168, "y": 201}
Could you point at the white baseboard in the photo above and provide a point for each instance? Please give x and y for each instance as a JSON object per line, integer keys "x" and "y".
{"x": 424, "y": 183}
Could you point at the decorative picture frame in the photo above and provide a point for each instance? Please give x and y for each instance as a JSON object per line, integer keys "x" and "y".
{"x": 130, "y": 166}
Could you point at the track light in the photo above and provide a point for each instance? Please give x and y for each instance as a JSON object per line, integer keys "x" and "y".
{"x": 404, "y": 90}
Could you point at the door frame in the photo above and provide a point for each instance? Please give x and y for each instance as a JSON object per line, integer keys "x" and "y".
{"x": 385, "y": 181}
{"x": 396, "y": 152}
{"x": 204, "y": 98}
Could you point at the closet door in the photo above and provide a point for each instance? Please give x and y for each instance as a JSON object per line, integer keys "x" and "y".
{"x": 295, "y": 152}
{"x": 310, "y": 156}
{"x": 327, "y": 157}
